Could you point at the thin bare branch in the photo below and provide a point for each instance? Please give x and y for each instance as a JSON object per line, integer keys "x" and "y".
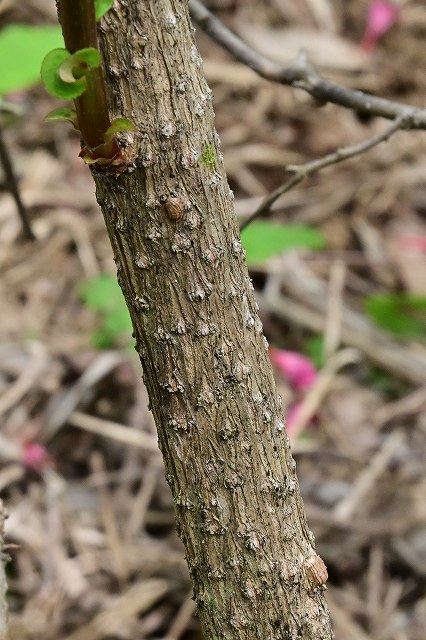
{"x": 303, "y": 75}
{"x": 302, "y": 171}
{"x": 12, "y": 187}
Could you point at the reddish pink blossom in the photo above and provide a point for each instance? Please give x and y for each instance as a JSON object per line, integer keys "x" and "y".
{"x": 34, "y": 456}
{"x": 381, "y": 15}
{"x": 298, "y": 369}
{"x": 413, "y": 242}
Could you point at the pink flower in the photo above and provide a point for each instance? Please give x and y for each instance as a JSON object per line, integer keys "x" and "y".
{"x": 34, "y": 456}
{"x": 413, "y": 242}
{"x": 381, "y": 15}
{"x": 298, "y": 369}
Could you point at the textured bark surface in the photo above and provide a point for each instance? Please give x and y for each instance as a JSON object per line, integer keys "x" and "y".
{"x": 181, "y": 265}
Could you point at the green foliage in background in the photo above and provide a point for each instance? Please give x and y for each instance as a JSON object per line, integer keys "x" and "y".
{"x": 314, "y": 349}
{"x": 22, "y": 49}
{"x": 404, "y": 315}
{"x": 386, "y": 384}
{"x": 103, "y": 295}
{"x": 263, "y": 239}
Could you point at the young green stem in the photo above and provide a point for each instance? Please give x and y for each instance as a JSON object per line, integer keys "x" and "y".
{"x": 77, "y": 18}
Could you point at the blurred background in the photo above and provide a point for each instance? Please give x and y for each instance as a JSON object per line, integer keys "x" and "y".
{"x": 340, "y": 271}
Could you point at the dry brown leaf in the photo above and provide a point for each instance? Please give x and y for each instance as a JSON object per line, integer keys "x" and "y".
{"x": 409, "y": 256}
{"x": 325, "y": 50}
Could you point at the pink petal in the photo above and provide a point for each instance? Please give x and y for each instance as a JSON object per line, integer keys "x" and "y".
{"x": 34, "y": 456}
{"x": 298, "y": 369}
{"x": 381, "y": 15}
{"x": 413, "y": 242}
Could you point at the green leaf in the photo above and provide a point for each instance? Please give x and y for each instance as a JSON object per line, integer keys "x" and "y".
{"x": 385, "y": 383}
{"x": 22, "y": 48}
{"x": 78, "y": 64}
{"x": 263, "y": 239}
{"x": 63, "y": 114}
{"x": 53, "y": 83}
{"x": 103, "y": 295}
{"x": 401, "y": 314}
{"x": 314, "y": 348}
{"x": 117, "y": 126}
{"x": 101, "y": 7}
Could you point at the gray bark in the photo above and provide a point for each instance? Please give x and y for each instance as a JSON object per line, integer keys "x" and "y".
{"x": 181, "y": 266}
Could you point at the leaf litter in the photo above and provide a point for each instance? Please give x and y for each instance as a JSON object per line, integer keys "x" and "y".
{"x": 97, "y": 553}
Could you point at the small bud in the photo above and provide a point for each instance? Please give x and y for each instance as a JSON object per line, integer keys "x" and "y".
{"x": 316, "y": 570}
{"x": 174, "y": 208}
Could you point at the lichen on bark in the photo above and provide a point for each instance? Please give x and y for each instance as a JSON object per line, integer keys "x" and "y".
{"x": 181, "y": 266}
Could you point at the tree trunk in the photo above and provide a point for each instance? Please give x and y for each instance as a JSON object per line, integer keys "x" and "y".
{"x": 181, "y": 266}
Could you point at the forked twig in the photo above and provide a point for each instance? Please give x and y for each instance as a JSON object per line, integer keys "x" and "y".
{"x": 303, "y": 75}
{"x": 302, "y": 171}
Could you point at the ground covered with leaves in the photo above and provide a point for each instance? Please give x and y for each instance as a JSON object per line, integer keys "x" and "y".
{"x": 342, "y": 294}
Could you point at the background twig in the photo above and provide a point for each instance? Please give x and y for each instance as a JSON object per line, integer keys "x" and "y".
{"x": 12, "y": 187}
{"x": 304, "y": 170}
{"x": 303, "y": 75}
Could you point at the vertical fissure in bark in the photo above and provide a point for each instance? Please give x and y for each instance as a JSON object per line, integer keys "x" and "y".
{"x": 181, "y": 266}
